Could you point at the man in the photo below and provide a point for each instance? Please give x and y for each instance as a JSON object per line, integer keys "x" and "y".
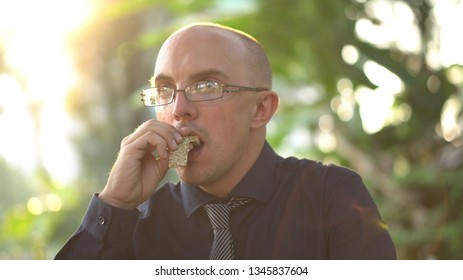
{"x": 215, "y": 82}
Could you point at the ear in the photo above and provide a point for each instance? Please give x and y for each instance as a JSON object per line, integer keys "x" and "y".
{"x": 266, "y": 106}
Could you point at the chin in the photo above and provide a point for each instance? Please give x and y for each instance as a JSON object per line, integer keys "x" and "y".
{"x": 188, "y": 175}
{"x": 193, "y": 176}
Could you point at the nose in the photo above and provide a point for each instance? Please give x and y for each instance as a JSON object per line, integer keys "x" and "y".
{"x": 183, "y": 109}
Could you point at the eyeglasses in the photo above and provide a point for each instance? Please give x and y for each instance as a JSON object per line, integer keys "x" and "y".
{"x": 197, "y": 92}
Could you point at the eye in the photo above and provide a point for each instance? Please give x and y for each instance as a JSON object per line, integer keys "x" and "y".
{"x": 164, "y": 94}
{"x": 205, "y": 85}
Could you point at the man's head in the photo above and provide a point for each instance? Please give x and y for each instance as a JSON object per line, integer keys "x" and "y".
{"x": 232, "y": 128}
{"x": 254, "y": 58}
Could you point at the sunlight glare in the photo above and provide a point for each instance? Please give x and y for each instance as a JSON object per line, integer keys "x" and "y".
{"x": 449, "y": 17}
{"x": 16, "y": 119}
{"x": 33, "y": 34}
{"x": 375, "y": 107}
{"x": 396, "y": 27}
{"x": 326, "y": 123}
{"x": 343, "y": 105}
{"x": 53, "y": 202}
{"x": 382, "y": 77}
{"x": 455, "y": 75}
{"x": 326, "y": 142}
{"x": 35, "y": 206}
{"x": 449, "y": 120}
{"x": 350, "y": 54}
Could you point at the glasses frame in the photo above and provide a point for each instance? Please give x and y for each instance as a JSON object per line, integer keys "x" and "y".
{"x": 224, "y": 88}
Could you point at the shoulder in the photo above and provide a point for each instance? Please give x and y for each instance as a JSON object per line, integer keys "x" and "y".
{"x": 327, "y": 185}
{"x": 316, "y": 171}
{"x": 319, "y": 180}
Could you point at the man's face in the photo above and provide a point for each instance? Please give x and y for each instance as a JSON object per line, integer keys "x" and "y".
{"x": 223, "y": 125}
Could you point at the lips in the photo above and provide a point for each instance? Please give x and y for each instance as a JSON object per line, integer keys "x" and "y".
{"x": 192, "y": 130}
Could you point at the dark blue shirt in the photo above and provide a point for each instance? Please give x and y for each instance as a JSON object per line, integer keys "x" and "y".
{"x": 300, "y": 209}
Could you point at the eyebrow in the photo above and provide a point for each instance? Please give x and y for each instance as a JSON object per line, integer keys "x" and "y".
{"x": 194, "y": 77}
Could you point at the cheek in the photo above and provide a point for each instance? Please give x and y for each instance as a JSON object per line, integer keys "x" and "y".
{"x": 230, "y": 123}
{"x": 163, "y": 114}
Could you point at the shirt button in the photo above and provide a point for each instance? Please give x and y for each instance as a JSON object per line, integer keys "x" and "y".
{"x": 101, "y": 220}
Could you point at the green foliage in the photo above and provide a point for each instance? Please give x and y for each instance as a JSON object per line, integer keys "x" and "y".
{"x": 38, "y": 214}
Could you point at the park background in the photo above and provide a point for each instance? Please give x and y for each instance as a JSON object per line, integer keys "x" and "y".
{"x": 374, "y": 85}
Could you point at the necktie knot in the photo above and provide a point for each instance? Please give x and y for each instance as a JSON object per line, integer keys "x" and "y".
{"x": 219, "y": 215}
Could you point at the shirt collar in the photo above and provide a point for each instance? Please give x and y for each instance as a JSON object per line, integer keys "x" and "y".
{"x": 256, "y": 184}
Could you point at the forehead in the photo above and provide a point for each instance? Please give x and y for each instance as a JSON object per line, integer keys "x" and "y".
{"x": 200, "y": 50}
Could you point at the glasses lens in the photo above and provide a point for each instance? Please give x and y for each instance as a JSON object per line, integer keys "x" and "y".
{"x": 147, "y": 97}
{"x": 157, "y": 96}
{"x": 163, "y": 95}
{"x": 204, "y": 90}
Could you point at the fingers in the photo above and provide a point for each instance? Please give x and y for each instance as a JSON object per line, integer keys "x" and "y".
{"x": 152, "y": 141}
{"x": 154, "y": 136}
{"x": 136, "y": 173}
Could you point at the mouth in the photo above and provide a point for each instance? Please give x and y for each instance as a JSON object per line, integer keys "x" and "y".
{"x": 195, "y": 150}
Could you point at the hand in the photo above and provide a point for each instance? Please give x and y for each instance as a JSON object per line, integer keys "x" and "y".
{"x": 137, "y": 172}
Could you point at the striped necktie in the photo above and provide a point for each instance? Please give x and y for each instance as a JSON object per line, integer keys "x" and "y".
{"x": 219, "y": 215}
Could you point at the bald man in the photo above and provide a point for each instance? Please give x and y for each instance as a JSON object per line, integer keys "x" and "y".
{"x": 236, "y": 199}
